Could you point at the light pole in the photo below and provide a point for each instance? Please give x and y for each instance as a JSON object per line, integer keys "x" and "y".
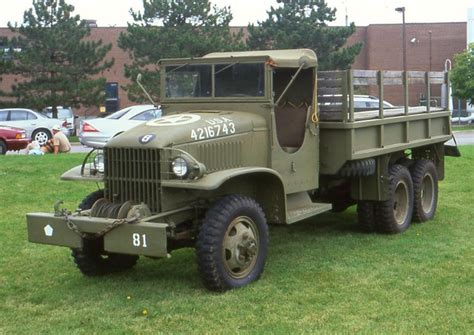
{"x": 431, "y": 48}
{"x": 402, "y": 10}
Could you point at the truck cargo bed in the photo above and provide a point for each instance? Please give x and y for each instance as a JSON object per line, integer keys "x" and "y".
{"x": 346, "y": 134}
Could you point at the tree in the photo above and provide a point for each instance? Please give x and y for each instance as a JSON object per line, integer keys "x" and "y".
{"x": 303, "y": 24}
{"x": 462, "y": 74}
{"x": 175, "y": 28}
{"x": 57, "y": 64}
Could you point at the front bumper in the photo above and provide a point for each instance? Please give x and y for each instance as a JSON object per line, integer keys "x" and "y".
{"x": 140, "y": 238}
{"x": 17, "y": 144}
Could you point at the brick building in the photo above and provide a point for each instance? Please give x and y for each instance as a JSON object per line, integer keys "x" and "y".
{"x": 382, "y": 50}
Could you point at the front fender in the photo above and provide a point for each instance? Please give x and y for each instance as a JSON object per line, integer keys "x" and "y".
{"x": 264, "y": 184}
{"x": 214, "y": 180}
{"x": 86, "y": 174}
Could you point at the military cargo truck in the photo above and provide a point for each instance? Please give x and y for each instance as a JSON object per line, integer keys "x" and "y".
{"x": 248, "y": 139}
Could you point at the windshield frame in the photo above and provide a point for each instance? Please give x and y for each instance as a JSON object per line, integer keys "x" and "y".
{"x": 213, "y": 63}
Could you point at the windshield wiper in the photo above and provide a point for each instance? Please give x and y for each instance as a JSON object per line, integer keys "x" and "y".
{"x": 225, "y": 68}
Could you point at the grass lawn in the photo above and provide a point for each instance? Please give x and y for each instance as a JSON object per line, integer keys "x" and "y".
{"x": 462, "y": 127}
{"x": 322, "y": 275}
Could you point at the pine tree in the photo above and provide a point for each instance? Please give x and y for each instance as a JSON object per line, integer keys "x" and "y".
{"x": 5, "y": 63}
{"x": 303, "y": 24}
{"x": 174, "y": 28}
{"x": 57, "y": 64}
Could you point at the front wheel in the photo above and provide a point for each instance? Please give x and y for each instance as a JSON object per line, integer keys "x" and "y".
{"x": 232, "y": 244}
{"x": 92, "y": 260}
{"x": 3, "y": 148}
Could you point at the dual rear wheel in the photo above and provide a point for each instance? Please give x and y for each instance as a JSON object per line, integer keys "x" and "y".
{"x": 413, "y": 195}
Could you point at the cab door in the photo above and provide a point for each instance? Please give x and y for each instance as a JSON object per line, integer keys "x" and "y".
{"x": 295, "y": 149}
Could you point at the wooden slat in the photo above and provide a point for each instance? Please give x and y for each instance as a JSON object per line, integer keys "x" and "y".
{"x": 329, "y": 83}
{"x": 334, "y": 116}
{"x": 329, "y": 91}
{"x": 330, "y": 108}
{"x": 330, "y": 74}
{"x": 364, "y": 74}
{"x": 365, "y": 81}
{"x": 330, "y": 99}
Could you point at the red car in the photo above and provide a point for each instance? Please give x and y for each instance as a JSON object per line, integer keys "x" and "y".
{"x": 12, "y": 138}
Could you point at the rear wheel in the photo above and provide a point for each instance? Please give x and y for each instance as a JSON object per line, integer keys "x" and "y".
{"x": 41, "y": 135}
{"x": 92, "y": 260}
{"x": 425, "y": 186}
{"x": 232, "y": 244}
{"x": 366, "y": 215}
{"x": 394, "y": 215}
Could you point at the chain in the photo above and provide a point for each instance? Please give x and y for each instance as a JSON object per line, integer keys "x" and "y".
{"x": 71, "y": 225}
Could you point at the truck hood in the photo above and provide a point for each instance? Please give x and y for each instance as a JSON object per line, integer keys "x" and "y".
{"x": 188, "y": 127}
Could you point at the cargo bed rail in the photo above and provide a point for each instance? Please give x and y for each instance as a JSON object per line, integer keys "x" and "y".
{"x": 336, "y": 90}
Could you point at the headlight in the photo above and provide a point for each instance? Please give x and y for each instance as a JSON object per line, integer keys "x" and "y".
{"x": 99, "y": 162}
{"x": 180, "y": 167}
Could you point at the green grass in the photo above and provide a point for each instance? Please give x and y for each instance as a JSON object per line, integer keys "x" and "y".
{"x": 462, "y": 127}
{"x": 322, "y": 275}
{"x": 73, "y": 139}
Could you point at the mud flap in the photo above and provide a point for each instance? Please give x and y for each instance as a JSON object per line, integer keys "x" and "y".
{"x": 452, "y": 150}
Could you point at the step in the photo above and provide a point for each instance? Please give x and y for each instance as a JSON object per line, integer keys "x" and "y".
{"x": 301, "y": 207}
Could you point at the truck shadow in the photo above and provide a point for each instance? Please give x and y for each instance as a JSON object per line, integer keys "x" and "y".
{"x": 302, "y": 241}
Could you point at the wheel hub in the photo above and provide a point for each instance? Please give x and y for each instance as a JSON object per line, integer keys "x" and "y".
{"x": 240, "y": 247}
{"x": 400, "y": 203}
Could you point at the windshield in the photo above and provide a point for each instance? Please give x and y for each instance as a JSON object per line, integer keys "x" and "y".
{"x": 230, "y": 80}
{"x": 236, "y": 80}
{"x": 188, "y": 81}
{"x": 62, "y": 113}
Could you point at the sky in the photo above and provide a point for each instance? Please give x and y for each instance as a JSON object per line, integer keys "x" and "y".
{"x": 361, "y": 12}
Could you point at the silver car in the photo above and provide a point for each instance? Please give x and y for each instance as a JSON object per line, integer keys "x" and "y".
{"x": 66, "y": 117}
{"x": 38, "y": 126}
{"x": 96, "y": 132}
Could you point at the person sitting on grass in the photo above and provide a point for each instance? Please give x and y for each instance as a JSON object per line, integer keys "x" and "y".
{"x": 34, "y": 148}
{"x": 58, "y": 144}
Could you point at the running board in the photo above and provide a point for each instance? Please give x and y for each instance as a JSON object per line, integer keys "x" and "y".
{"x": 301, "y": 207}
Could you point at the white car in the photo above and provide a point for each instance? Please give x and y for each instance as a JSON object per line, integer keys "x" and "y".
{"x": 38, "y": 126}
{"x": 96, "y": 132}
{"x": 66, "y": 116}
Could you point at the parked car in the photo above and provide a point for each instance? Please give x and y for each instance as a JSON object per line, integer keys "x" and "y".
{"x": 96, "y": 132}
{"x": 38, "y": 126}
{"x": 369, "y": 102}
{"x": 12, "y": 138}
{"x": 67, "y": 117}
{"x": 361, "y": 102}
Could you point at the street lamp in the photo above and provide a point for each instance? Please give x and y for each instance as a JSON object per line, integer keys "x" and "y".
{"x": 431, "y": 48}
{"x": 402, "y": 10}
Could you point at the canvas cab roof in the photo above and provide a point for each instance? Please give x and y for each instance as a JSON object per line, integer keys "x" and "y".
{"x": 292, "y": 58}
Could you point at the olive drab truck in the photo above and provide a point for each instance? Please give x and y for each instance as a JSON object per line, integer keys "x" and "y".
{"x": 250, "y": 139}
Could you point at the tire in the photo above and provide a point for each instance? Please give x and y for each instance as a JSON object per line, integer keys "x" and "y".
{"x": 41, "y": 135}
{"x": 365, "y": 167}
{"x": 92, "y": 260}
{"x": 3, "y": 148}
{"x": 394, "y": 215}
{"x": 425, "y": 189}
{"x": 366, "y": 215}
{"x": 232, "y": 243}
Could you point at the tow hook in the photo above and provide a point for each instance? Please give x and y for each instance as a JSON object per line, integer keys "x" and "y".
{"x": 58, "y": 211}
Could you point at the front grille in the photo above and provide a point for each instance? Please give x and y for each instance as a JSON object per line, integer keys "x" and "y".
{"x": 133, "y": 174}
